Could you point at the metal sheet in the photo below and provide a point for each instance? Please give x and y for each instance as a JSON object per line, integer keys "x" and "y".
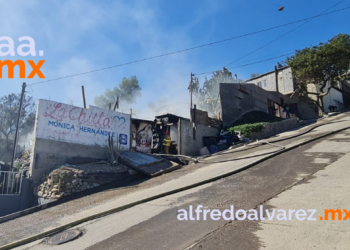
{"x": 147, "y": 164}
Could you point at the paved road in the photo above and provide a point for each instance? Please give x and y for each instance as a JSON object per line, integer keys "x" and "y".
{"x": 278, "y": 182}
{"x": 39, "y": 222}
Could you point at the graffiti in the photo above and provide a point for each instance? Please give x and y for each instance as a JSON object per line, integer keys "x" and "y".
{"x": 117, "y": 120}
{"x": 61, "y": 125}
{"x": 142, "y": 136}
{"x": 62, "y": 122}
{"x": 81, "y": 115}
{"x": 123, "y": 139}
{"x": 96, "y": 131}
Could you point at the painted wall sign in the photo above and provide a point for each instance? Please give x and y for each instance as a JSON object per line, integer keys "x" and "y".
{"x": 62, "y": 122}
{"x": 141, "y": 136}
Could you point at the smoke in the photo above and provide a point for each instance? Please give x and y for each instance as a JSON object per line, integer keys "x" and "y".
{"x": 25, "y": 141}
{"x": 162, "y": 106}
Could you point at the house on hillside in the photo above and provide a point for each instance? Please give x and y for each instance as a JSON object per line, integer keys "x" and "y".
{"x": 345, "y": 87}
{"x": 333, "y": 99}
{"x": 269, "y": 92}
{"x": 281, "y": 80}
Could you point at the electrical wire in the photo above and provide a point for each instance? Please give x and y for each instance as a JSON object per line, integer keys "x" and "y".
{"x": 253, "y": 61}
{"x": 285, "y": 34}
{"x": 191, "y": 48}
{"x": 248, "y": 64}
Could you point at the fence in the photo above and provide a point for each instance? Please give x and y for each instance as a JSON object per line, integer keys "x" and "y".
{"x": 10, "y": 183}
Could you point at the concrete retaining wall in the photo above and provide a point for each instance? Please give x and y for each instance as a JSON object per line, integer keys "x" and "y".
{"x": 276, "y": 128}
{"x": 189, "y": 146}
{"x": 49, "y": 155}
{"x": 238, "y": 99}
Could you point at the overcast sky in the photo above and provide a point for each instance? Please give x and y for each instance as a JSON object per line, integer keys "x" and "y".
{"x": 79, "y": 36}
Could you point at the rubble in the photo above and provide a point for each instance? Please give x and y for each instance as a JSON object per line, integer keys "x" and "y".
{"x": 71, "y": 179}
{"x": 22, "y": 163}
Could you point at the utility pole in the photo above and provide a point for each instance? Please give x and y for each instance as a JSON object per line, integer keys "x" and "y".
{"x": 17, "y": 126}
{"x": 276, "y": 76}
{"x": 191, "y": 87}
{"x": 191, "y": 92}
{"x": 82, "y": 90}
{"x": 116, "y": 105}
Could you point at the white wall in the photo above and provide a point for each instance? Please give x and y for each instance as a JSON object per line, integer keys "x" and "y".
{"x": 66, "y": 123}
{"x": 189, "y": 146}
{"x": 285, "y": 81}
{"x": 334, "y": 98}
{"x": 63, "y": 132}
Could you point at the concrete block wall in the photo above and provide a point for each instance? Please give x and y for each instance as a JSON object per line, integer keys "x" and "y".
{"x": 238, "y": 99}
{"x": 50, "y": 154}
{"x": 63, "y": 131}
{"x": 189, "y": 146}
{"x": 288, "y": 83}
{"x": 276, "y": 128}
{"x": 201, "y": 116}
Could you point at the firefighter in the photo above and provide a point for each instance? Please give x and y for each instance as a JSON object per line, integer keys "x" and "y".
{"x": 166, "y": 142}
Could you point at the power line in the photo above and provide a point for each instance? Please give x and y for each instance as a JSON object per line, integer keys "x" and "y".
{"x": 278, "y": 38}
{"x": 253, "y": 61}
{"x": 192, "y": 48}
{"x": 248, "y": 64}
{"x": 244, "y": 65}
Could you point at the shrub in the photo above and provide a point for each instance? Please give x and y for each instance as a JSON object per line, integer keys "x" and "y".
{"x": 246, "y": 129}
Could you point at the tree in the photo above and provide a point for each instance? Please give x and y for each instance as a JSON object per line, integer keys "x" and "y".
{"x": 207, "y": 96}
{"x": 253, "y": 75}
{"x": 9, "y": 105}
{"x": 322, "y": 66}
{"x": 128, "y": 90}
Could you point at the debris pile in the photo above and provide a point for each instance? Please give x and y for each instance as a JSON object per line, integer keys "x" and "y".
{"x": 23, "y": 162}
{"x": 67, "y": 180}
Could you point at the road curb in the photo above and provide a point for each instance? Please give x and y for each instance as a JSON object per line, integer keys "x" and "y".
{"x": 74, "y": 196}
{"x": 132, "y": 204}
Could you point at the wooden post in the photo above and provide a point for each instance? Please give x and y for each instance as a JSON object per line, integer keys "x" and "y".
{"x": 130, "y": 128}
{"x": 276, "y": 75}
{"x": 194, "y": 121}
{"x": 179, "y": 137}
{"x": 17, "y": 125}
{"x": 191, "y": 91}
{"x": 191, "y": 88}
{"x": 82, "y": 89}
{"x": 116, "y": 105}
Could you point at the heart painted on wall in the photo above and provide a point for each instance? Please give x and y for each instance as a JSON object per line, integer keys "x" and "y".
{"x": 119, "y": 120}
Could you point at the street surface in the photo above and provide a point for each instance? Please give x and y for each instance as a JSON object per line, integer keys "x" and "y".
{"x": 312, "y": 176}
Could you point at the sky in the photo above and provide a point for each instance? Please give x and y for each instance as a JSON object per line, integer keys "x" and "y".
{"x": 83, "y": 35}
